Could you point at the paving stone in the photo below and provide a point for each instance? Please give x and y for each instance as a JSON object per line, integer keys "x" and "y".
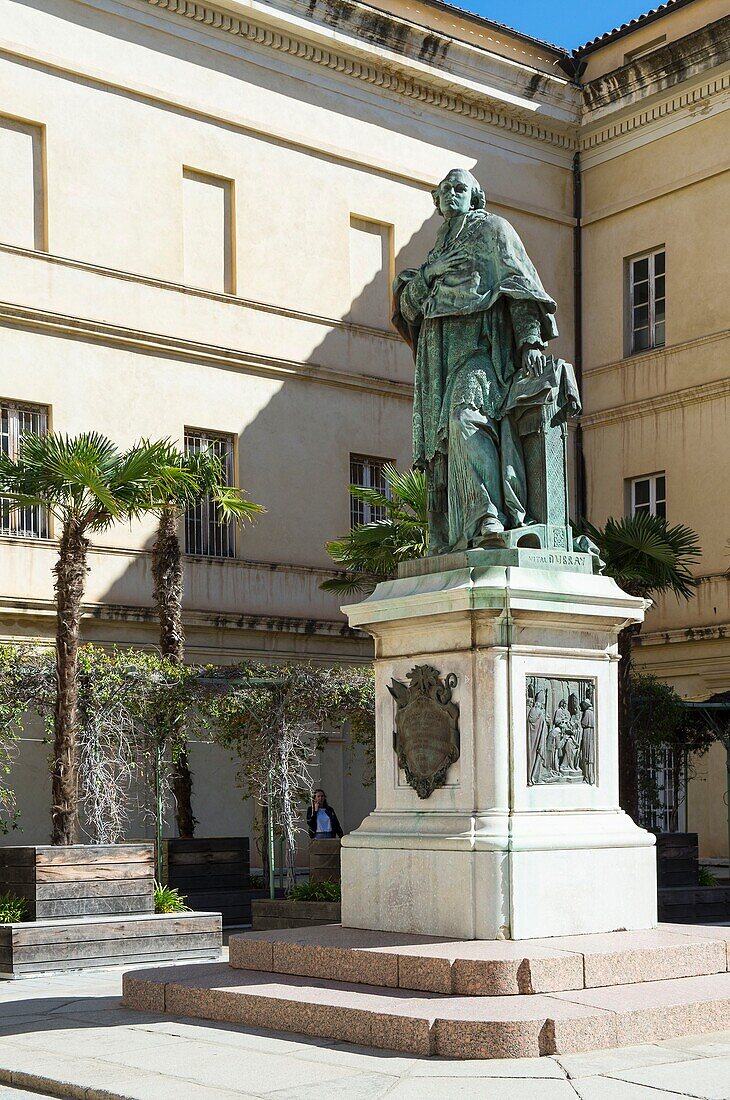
{"x": 210, "y": 1065}
{"x": 604, "y": 1088}
{"x": 708, "y": 1078}
{"x": 366, "y": 1086}
{"x": 7, "y": 1093}
{"x": 486, "y": 1088}
{"x": 616, "y": 1060}
{"x": 511, "y": 1068}
{"x": 711, "y": 1045}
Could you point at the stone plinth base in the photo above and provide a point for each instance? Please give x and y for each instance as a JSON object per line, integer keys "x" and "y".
{"x": 497, "y": 670}
{"x": 414, "y": 887}
{"x": 475, "y": 999}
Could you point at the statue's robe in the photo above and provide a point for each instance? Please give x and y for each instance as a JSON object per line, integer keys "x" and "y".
{"x": 537, "y": 731}
{"x": 467, "y": 330}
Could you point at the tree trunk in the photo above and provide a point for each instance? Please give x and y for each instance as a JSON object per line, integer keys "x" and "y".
{"x": 70, "y": 572}
{"x": 167, "y": 572}
{"x": 628, "y": 771}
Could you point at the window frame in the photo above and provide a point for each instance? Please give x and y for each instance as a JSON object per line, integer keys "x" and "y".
{"x": 370, "y": 513}
{"x": 631, "y": 331}
{"x": 11, "y": 519}
{"x": 654, "y": 498}
{"x": 205, "y": 520}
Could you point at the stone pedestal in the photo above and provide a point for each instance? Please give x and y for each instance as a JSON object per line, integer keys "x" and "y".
{"x": 524, "y": 836}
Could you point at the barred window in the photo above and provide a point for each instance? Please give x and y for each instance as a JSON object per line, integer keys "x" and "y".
{"x": 204, "y": 534}
{"x": 368, "y": 473}
{"x": 647, "y": 301}
{"x": 649, "y": 494}
{"x": 16, "y": 422}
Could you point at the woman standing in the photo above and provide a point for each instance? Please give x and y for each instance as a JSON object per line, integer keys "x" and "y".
{"x": 322, "y": 820}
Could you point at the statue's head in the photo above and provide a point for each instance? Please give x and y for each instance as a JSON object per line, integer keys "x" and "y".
{"x": 458, "y": 193}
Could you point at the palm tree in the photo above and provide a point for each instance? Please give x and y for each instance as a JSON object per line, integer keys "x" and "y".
{"x": 87, "y": 485}
{"x": 206, "y": 478}
{"x": 646, "y": 557}
{"x": 371, "y": 552}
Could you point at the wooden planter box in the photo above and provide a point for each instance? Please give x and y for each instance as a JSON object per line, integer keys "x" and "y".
{"x": 324, "y": 860}
{"x": 677, "y": 857}
{"x": 293, "y": 914}
{"x": 81, "y": 880}
{"x": 76, "y": 943}
{"x": 212, "y": 873}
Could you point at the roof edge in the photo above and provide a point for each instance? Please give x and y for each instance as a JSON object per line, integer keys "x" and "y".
{"x": 628, "y": 28}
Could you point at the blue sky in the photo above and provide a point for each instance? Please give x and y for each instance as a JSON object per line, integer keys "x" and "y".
{"x": 567, "y": 23}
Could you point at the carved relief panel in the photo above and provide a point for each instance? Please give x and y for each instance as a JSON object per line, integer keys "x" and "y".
{"x": 561, "y": 730}
{"x": 426, "y": 735}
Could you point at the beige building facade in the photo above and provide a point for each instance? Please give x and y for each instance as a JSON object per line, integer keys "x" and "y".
{"x": 656, "y": 350}
{"x": 204, "y": 207}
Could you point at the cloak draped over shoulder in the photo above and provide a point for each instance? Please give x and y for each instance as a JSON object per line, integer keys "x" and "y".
{"x": 498, "y": 284}
{"x": 467, "y": 328}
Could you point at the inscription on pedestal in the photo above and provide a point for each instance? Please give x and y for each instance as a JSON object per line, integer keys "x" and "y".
{"x": 426, "y": 735}
{"x": 561, "y": 730}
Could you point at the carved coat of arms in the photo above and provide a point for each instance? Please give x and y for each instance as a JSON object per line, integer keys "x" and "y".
{"x": 426, "y": 735}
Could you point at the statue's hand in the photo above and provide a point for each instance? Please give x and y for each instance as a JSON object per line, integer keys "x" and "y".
{"x": 533, "y": 361}
{"x": 443, "y": 264}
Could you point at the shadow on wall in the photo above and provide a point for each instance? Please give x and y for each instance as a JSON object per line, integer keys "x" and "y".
{"x": 293, "y": 453}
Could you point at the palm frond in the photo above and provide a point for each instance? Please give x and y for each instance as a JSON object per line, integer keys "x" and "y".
{"x": 230, "y": 503}
{"x": 372, "y": 551}
{"x": 646, "y": 555}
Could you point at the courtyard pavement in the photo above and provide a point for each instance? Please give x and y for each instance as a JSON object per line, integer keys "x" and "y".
{"x": 68, "y": 1036}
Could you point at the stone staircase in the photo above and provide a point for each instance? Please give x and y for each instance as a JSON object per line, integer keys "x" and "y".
{"x": 473, "y": 999}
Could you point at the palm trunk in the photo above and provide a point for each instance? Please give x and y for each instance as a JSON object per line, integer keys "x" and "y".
{"x": 628, "y": 768}
{"x": 167, "y": 572}
{"x": 70, "y": 572}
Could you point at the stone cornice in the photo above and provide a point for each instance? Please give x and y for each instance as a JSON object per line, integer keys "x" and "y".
{"x": 679, "y": 399}
{"x": 33, "y": 608}
{"x": 397, "y": 74}
{"x": 198, "y": 292}
{"x": 693, "y": 102}
{"x": 232, "y": 358}
{"x": 641, "y": 358}
{"x": 664, "y": 68}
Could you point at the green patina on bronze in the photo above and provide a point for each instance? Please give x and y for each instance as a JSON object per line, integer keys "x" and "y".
{"x": 490, "y": 407}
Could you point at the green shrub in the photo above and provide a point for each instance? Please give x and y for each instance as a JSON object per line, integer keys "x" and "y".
{"x": 169, "y": 900}
{"x": 13, "y": 909}
{"x": 258, "y": 882}
{"x": 706, "y": 877}
{"x": 315, "y": 891}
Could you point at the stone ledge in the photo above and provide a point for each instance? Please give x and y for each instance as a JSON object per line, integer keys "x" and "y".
{"x": 433, "y": 1024}
{"x": 485, "y": 967}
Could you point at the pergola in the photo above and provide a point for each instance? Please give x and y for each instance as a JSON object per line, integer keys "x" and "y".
{"x": 716, "y": 712}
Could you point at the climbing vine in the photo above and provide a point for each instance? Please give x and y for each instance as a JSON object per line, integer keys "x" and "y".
{"x": 274, "y": 719}
{"x": 137, "y": 709}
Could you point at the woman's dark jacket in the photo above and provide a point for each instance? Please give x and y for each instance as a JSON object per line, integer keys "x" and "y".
{"x": 335, "y": 826}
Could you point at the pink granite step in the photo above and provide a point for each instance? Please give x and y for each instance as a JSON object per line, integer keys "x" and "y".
{"x": 484, "y": 967}
{"x": 435, "y": 1024}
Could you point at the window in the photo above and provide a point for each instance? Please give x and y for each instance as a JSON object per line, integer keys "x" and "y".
{"x": 649, "y": 494}
{"x": 22, "y": 219}
{"x": 370, "y": 272}
{"x": 647, "y": 300}
{"x": 369, "y": 474}
{"x": 17, "y": 421}
{"x": 208, "y": 252}
{"x": 204, "y": 534}
{"x": 642, "y": 51}
{"x": 662, "y": 789}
